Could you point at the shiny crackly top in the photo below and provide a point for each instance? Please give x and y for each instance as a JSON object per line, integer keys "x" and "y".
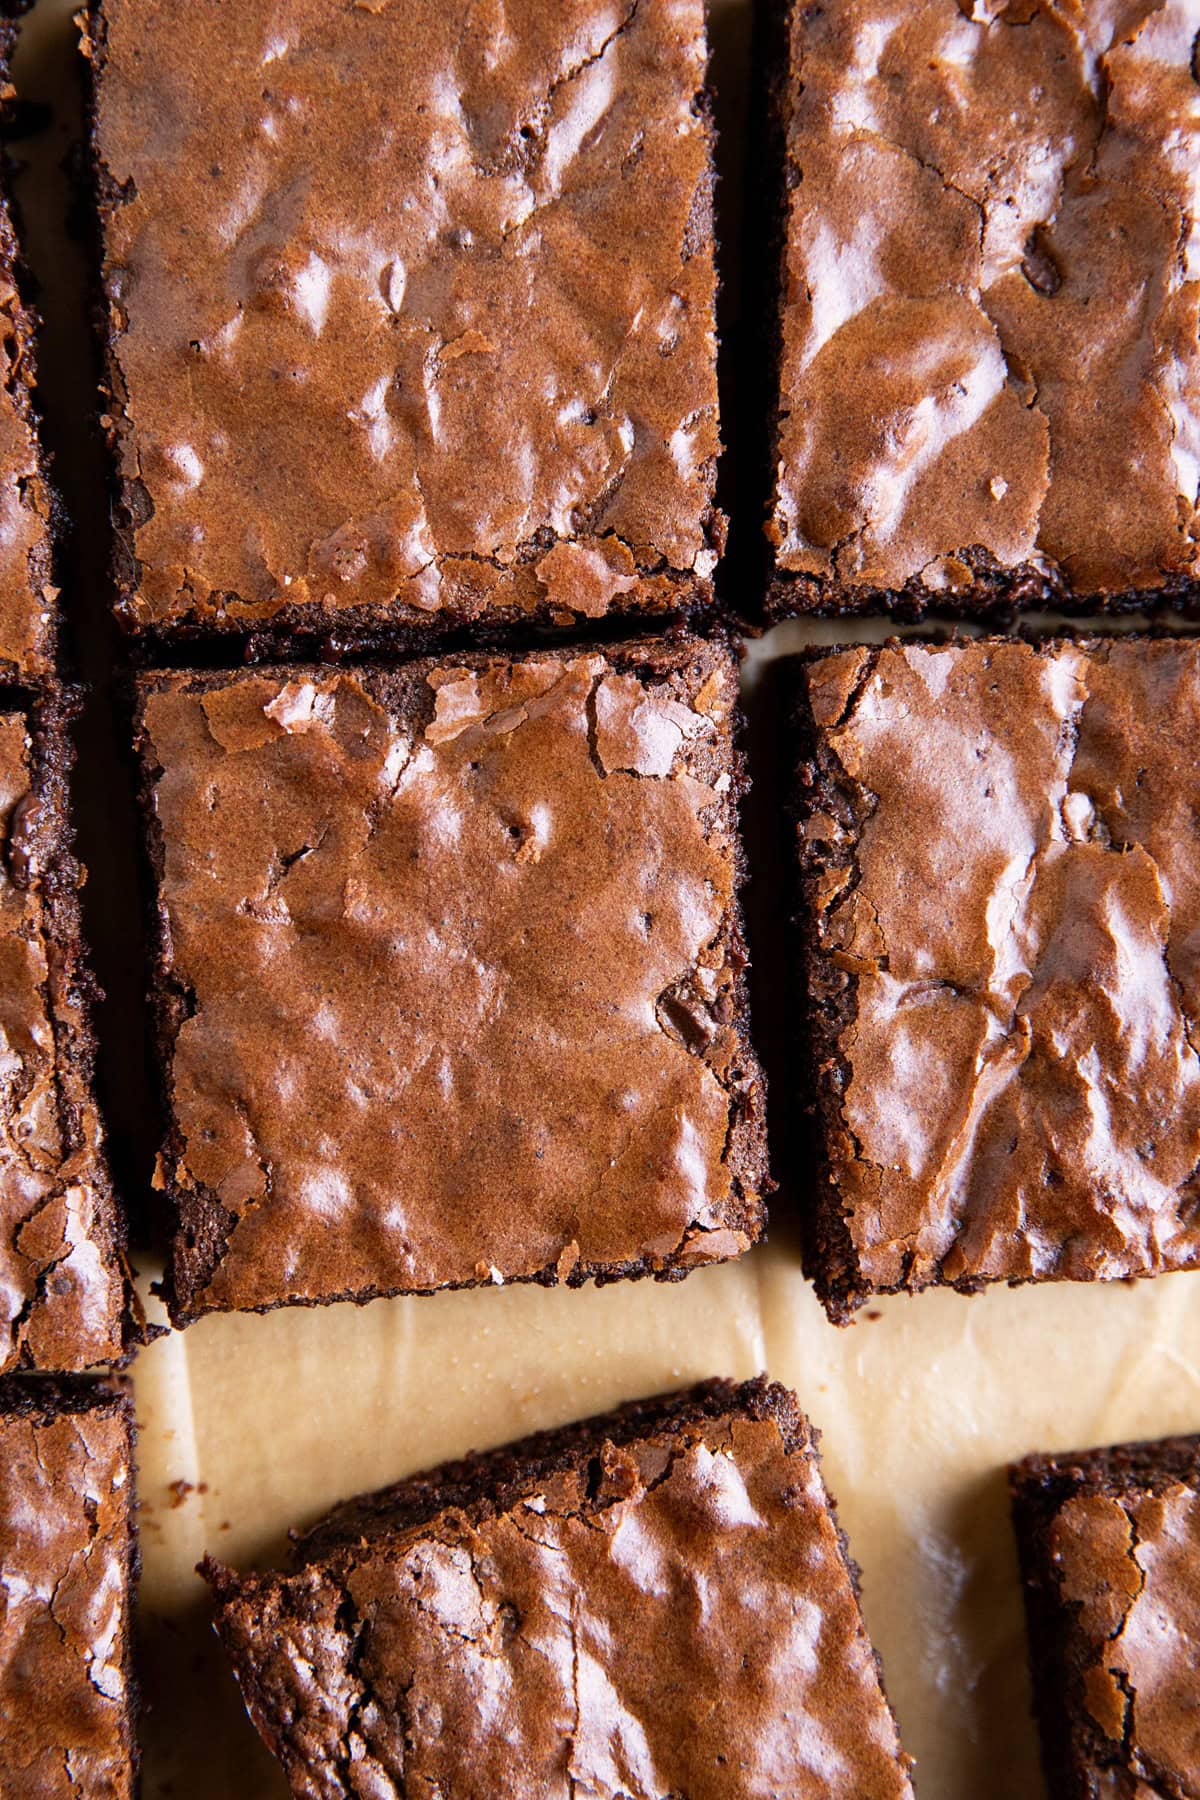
{"x": 61, "y": 1291}
{"x": 687, "y": 1628}
{"x": 25, "y": 599}
{"x": 460, "y": 947}
{"x": 412, "y": 301}
{"x": 1128, "y": 1566}
{"x": 1016, "y": 910}
{"x": 990, "y": 331}
{"x": 64, "y": 1606}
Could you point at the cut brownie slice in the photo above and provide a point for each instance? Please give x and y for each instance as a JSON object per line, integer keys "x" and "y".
{"x": 450, "y": 972}
{"x": 67, "y": 1566}
{"x": 1110, "y": 1557}
{"x": 28, "y": 601}
{"x": 63, "y": 1289}
{"x": 410, "y": 312}
{"x": 653, "y": 1602}
{"x": 987, "y": 371}
{"x": 1002, "y": 935}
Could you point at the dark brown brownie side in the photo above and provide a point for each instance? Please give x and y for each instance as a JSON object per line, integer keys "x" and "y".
{"x": 40, "y": 856}
{"x": 204, "y": 1224}
{"x": 61, "y": 1726}
{"x": 766, "y": 201}
{"x": 485, "y": 1483}
{"x": 29, "y": 615}
{"x": 1074, "y": 1751}
{"x": 825, "y": 994}
{"x": 537, "y": 600}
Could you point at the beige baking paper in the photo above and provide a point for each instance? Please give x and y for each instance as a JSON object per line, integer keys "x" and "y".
{"x": 249, "y": 1425}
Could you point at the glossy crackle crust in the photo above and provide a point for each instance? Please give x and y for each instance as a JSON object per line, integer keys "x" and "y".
{"x": 68, "y": 1562}
{"x": 1110, "y": 1556}
{"x": 986, "y": 357}
{"x": 63, "y": 1282}
{"x": 1000, "y": 921}
{"x": 448, "y": 353}
{"x": 654, "y": 1602}
{"x": 451, "y": 973}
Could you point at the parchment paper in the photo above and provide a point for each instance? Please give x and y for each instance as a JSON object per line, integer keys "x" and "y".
{"x": 249, "y": 1425}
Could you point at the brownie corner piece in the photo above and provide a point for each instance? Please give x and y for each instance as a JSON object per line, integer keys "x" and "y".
{"x": 450, "y": 972}
{"x": 1109, "y": 1548}
{"x": 485, "y": 1627}
{"x": 360, "y": 360}
{"x": 68, "y": 1300}
{"x": 68, "y": 1563}
{"x": 995, "y": 901}
{"x": 955, "y": 284}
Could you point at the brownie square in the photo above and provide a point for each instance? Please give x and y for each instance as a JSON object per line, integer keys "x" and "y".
{"x": 986, "y": 362}
{"x": 450, "y": 972}
{"x": 1109, "y": 1542}
{"x": 410, "y": 312}
{"x": 63, "y": 1289}
{"x": 67, "y": 1566}
{"x": 28, "y": 600}
{"x": 653, "y": 1602}
{"x": 1001, "y": 934}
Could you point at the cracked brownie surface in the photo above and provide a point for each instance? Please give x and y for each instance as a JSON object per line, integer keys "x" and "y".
{"x": 1110, "y": 1557}
{"x": 988, "y": 371}
{"x": 66, "y": 1567}
{"x": 451, "y": 972}
{"x": 1002, "y": 914}
{"x": 652, "y": 1603}
{"x": 62, "y": 1277}
{"x": 410, "y": 310}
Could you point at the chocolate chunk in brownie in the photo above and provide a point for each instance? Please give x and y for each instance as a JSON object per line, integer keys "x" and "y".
{"x": 410, "y": 312}
{"x": 1109, "y": 1542}
{"x": 63, "y": 1281}
{"x": 653, "y": 1602}
{"x": 67, "y": 1566}
{"x": 28, "y": 598}
{"x": 1001, "y": 931}
{"x": 450, "y": 972}
{"x": 987, "y": 371}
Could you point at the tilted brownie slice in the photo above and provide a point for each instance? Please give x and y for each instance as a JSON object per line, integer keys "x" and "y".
{"x": 653, "y": 1602}
{"x": 985, "y": 362}
{"x": 1109, "y": 1542}
{"x": 67, "y": 1566}
{"x": 63, "y": 1281}
{"x": 450, "y": 972}
{"x": 1000, "y": 930}
{"x": 410, "y": 312}
{"x": 28, "y": 598}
